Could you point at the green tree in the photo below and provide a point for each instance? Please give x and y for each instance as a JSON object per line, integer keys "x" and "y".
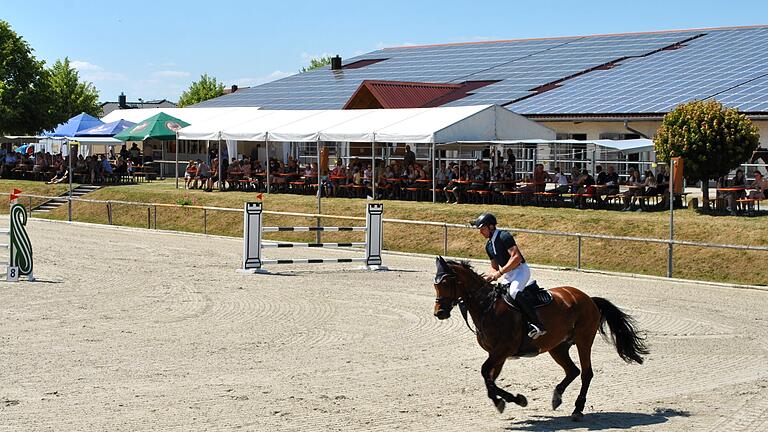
{"x": 711, "y": 139}
{"x": 317, "y": 63}
{"x": 25, "y": 90}
{"x": 71, "y": 96}
{"x": 199, "y": 91}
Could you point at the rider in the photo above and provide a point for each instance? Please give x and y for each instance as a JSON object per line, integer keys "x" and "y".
{"x": 509, "y": 265}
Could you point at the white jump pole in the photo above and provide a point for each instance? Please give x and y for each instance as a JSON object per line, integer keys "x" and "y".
{"x": 252, "y": 240}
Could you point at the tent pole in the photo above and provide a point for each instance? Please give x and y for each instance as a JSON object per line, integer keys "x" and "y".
{"x": 318, "y": 237}
{"x": 220, "y": 167}
{"x": 69, "y": 207}
{"x": 176, "y": 165}
{"x": 434, "y": 180}
{"x": 266, "y": 156}
{"x": 373, "y": 167}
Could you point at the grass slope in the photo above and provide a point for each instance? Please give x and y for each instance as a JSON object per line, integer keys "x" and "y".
{"x": 690, "y": 262}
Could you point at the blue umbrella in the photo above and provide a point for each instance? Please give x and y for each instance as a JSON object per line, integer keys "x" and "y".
{"x": 106, "y": 129}
{"x": 74, "y": 125}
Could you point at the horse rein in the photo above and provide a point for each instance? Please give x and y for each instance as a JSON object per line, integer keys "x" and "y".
{"x": 460, "y": 302}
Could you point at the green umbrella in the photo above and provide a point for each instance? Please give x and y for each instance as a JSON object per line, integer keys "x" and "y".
{"x": 160, "y": 126}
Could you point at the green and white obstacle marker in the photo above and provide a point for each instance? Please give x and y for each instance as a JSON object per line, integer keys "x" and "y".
{"x": 253, "y": 245}
{"x": 20, "y": 248}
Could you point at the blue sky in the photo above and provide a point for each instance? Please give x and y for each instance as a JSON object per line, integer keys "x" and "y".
{"x": 156, "y": 49}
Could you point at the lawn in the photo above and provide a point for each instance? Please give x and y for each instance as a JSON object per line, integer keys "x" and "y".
{"x": 690, "y": 262}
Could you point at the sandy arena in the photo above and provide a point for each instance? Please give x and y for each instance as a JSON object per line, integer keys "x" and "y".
{"x": 132, "y": 330}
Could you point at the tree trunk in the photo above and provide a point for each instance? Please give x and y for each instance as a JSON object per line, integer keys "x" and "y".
{"x": 705, "y": 194}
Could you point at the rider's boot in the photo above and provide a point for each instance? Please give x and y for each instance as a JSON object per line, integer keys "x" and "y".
{"x": 538, "y": 328}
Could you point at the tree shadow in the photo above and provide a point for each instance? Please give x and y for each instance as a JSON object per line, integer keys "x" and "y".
{"x": 597, "y": 421}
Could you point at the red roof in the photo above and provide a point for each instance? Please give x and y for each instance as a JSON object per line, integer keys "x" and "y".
{"x": 402, "y": 94}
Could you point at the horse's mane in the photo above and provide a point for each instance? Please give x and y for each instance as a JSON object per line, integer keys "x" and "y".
{"x": 486, "y": 291}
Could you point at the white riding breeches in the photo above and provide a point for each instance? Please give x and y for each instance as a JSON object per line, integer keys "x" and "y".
{"x": 517, "y": 279}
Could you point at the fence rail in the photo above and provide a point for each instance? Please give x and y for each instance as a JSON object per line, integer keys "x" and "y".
{"x": 152, "y": 211}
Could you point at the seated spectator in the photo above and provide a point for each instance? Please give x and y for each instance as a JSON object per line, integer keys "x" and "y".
{"x": 202, "y": 176}
{"x": 732, "y": 197}
{"x": 611, "y": 181}
{"x": 454, "y": 189}
{"x": 634, "y": 183}
{"x": 585, "y": 187}
{"x": 561, "y": 181}
{"x": 106, "y": 167}
{"x": 61, "y": 173}
{"x": 214, "y": 175}
{"x": 759, "y": 185}
{"x": 234, "y": 175}
{"x": 650, "y": 188}
{"x": 190, "y": 172}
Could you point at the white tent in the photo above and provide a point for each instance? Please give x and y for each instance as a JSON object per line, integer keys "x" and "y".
{"x": 412, "y": 125}
{"x": 202, "y": 130}
{"x": 189, "y": 115}
{"x": 259, "y": 129}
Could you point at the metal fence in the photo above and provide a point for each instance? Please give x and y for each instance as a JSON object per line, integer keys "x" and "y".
{"x": 206, "y": 211}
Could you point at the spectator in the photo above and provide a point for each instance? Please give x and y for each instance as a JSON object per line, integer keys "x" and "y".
{"x": 410, "y": 157}
{"x": 759, "y": 185}
{"x": 585, "y": 187}
{"x": 561, "y": 181}
{"x": 611, "y": 181}
{"x": 135, "y": 154}
{"x": 189, "y": 174}
{"x": 202, "y": 176}
{"x": 634, "y": 184}
{"x": 539, "y": 178}
{"x": 731, "y": 197}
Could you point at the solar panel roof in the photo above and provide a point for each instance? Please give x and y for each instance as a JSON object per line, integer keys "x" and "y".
{"x": 629, "y": 73}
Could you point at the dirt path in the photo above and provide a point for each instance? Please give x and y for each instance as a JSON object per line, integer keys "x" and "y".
{"x": 136, "y": 330}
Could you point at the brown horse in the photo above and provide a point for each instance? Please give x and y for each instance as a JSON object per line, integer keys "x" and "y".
{"x": 572, "y": 318}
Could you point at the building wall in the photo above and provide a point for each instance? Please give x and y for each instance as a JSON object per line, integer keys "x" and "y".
{"x": 594, "y": 129}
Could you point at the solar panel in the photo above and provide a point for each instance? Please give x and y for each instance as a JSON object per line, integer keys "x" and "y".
{"x": 648, "y": 78}
{"x": 713, "y": 65}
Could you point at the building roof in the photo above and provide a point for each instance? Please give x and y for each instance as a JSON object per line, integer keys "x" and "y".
{"x": 633, "y": 73}
{"x": 401, "y": 94}
{"x": 108, "y": 107}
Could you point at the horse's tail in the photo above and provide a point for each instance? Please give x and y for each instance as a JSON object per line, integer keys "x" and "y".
{"x": 629, "y": 342}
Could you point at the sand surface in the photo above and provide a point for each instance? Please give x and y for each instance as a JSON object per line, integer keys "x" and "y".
{"x": 132, "y": 330}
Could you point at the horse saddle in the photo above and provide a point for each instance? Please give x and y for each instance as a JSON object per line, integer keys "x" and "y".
{"x": 536, "y": 296}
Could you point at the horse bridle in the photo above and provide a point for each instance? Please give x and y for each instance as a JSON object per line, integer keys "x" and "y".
{"x": 455, "y": 300}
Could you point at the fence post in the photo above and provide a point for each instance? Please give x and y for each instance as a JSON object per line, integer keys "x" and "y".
{"x": 149, "y": 217}
{"x": 205, "y": 221}
{"x": 109, "y": 212}
{"x": 445, "y": 239}
{"x": 155, "y": 216}
{"x": 30, "y": 206}
{"x": 578, "y": 254}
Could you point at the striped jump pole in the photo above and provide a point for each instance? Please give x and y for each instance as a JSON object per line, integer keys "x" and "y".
{"x": 19, "y": 247}
{"x": 253, "y": 244}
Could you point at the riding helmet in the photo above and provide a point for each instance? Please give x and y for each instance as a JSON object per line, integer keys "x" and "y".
{"x": 484, "y": 219}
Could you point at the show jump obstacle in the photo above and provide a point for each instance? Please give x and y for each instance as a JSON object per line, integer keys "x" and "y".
{"x": 253, "y": 245}
{"x": 20, "y": 248}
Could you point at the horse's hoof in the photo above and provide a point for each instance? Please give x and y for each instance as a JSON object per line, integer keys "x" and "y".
{"x": 577, "y": 416}
{"x": 522, "y": 401}
{"x": 557, "y": 399}
{"x": 500, "y": 404}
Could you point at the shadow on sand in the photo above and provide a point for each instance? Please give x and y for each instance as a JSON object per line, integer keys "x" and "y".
{"x": 597, "y": 421}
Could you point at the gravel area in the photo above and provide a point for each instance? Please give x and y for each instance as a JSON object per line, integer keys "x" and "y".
{"x": 129, "y": 329}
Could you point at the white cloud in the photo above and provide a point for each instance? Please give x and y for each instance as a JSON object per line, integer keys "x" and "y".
{"x": 248, "y": 82}
{"x": 170, "y": 74}
{"x": 93, "y": 72}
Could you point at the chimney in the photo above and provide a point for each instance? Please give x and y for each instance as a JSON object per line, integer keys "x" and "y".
{"x": 234, "y": 88}
{"x": 121, "y": 101}
{"x": 336, "y": 63}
